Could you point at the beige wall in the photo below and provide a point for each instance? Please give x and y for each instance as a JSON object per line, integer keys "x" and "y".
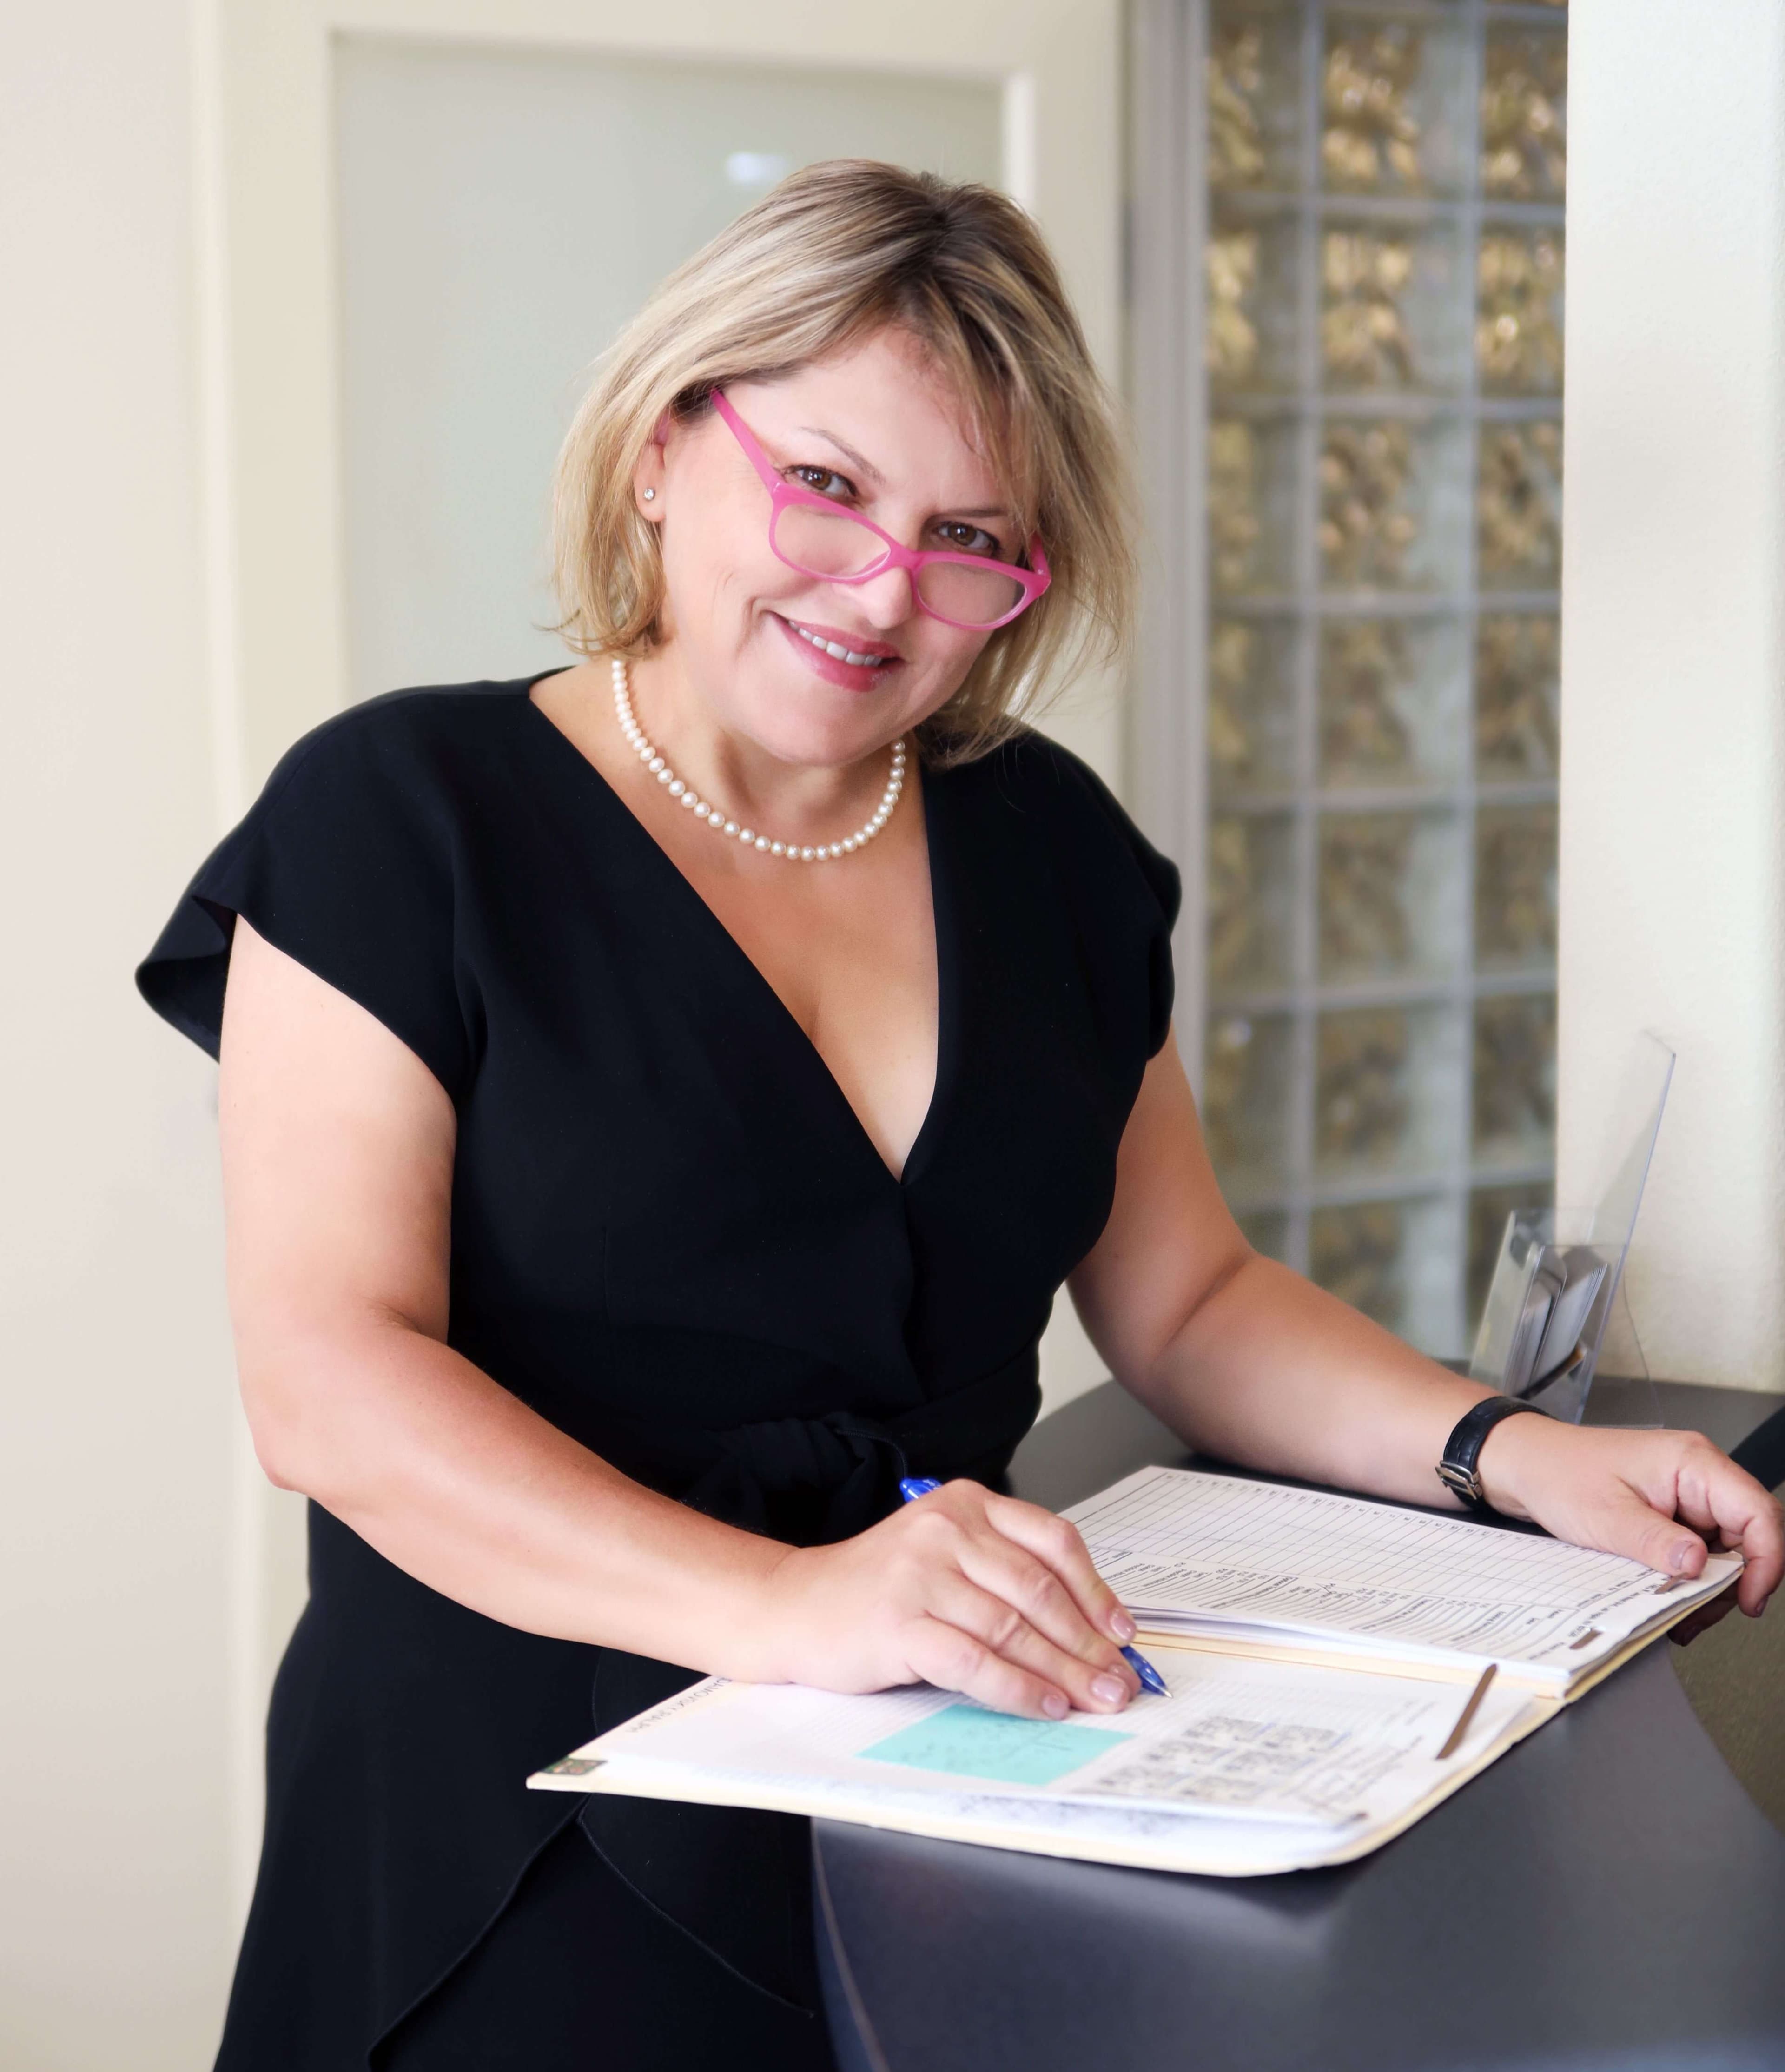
{"x": 1673, "y": 655}
{"x": 116, "y": 1418}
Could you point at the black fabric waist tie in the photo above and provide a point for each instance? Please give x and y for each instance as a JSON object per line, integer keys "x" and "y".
{"x": 814, "y": 1480}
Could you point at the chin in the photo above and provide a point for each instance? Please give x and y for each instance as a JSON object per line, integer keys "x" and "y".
{"x": 798, "y": 717}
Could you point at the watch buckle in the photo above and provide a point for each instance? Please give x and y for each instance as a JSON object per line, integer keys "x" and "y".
{"x": 1463, "y": 1481}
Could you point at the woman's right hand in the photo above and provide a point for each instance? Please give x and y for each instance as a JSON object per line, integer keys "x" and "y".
{"x": 963, "y": 1589}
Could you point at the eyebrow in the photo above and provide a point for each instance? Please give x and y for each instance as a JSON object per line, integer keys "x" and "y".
{"x": 867, "y": 467}
{"x": 849, "y": 453}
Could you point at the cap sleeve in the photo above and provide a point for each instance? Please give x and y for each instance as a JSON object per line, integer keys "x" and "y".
{"x": 1166, "y": 885}
{"x": 1157, "y": 890}
{"x": 345, "y": 862}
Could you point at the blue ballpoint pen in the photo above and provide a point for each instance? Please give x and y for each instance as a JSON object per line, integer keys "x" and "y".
{"x": 911, "y": 1486}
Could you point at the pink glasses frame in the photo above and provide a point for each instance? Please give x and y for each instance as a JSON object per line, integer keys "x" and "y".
{"x": 1032, "y": 582}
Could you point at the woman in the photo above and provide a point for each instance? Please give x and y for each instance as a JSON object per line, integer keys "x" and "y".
{"x": 660, "y": 1102}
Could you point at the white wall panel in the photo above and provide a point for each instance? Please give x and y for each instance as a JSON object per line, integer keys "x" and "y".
{"x": 1673, "y": 655}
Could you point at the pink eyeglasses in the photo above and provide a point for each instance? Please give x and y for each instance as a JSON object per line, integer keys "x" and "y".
{"x": 825, "y": 539}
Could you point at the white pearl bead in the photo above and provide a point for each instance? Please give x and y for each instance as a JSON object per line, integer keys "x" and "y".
{"x": 666, "y": 775}
{"x": 745, "y": 835}
{"x": 656, "y": 764}
{"x": 687, "y": 798}
{"x": 731, "y": 827}
{"x": 762, "y": 841}
{"x": 700, "y": 812}
{"x": 777, "y": 849}
{"x": 676, "y": 788}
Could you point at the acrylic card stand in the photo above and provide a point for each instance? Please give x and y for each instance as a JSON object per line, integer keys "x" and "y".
{"x": 1560, "y": 1273}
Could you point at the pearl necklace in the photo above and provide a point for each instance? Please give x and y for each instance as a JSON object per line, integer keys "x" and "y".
{"x": 714, "y": 816}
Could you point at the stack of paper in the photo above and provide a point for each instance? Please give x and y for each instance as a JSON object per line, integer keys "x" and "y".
{"x": 1319, "y": 1652}
{"x": 1301, "y": 1570}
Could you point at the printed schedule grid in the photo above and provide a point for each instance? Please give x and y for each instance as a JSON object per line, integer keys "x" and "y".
{"x": 1177, "y": 1545}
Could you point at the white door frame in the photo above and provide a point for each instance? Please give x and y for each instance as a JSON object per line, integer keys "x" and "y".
{"x": 268, "y": 331}
{"x": 1167, "y": 393}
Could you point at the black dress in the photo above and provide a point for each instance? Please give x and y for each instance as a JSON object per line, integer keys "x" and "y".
{"x": 671, "y": 1237}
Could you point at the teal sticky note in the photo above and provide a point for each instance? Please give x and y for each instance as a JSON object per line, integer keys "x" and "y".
{"x": 963, "y": 1740}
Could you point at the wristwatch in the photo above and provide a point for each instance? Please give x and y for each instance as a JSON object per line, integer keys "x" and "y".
{"x": 1457, "y": 1470}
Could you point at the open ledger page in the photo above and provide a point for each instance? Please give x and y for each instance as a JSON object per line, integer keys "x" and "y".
{"x": 1193, "y": 1552}
{"x": 1245, "y": 1767}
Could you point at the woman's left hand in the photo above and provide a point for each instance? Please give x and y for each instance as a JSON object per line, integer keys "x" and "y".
{"x": 1663, "y": 1499}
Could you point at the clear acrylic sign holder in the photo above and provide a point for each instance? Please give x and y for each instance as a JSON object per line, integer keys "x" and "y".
{"x": 1559, "y": 1275}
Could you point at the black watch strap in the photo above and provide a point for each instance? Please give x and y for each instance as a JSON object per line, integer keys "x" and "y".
{"x": 1457, "y": 1470}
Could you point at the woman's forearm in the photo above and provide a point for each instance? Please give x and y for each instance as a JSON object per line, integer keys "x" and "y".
{"x": 462, "y": 1485}
{"x": 1271, "y": 1371}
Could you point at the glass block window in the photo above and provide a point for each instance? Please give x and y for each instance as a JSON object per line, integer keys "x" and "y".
{"x": 1382, "y": 275}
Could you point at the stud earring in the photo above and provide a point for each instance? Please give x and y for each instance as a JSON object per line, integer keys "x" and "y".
{"x": 650, "y": 496}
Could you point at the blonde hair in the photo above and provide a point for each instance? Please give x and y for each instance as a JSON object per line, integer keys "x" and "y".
{"x": 835, "y": 252}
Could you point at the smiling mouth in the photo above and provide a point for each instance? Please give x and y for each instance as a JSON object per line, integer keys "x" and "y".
{"x": 837, "y": 649}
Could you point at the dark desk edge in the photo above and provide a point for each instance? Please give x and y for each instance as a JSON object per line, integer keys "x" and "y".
{"x": 1763, "y": 1452}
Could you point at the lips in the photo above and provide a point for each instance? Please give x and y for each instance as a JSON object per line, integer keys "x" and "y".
{"x": 842, "y": 647}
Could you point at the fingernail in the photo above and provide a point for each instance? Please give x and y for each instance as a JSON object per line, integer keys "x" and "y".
{"x": 1682, "y": 1554}
{"x": 1054, "y": 1706}
{"x": 1108, "y": 1690}
{"x": 1122, "y": 1626}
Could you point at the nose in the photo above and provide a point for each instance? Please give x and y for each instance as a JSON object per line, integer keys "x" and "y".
{"x": 885, "y": 600}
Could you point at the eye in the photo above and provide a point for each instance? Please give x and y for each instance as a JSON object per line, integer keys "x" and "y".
{"x": 959, "y": 537}
{"x": 822, "y": 482}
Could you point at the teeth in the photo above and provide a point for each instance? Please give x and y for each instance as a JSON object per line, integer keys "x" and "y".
{"x": 843, "y": 653}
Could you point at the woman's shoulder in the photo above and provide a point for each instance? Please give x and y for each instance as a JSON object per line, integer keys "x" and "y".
{"x": 404, "y": 742}
{"x": 1045, "y": 789}
{"x": 348, "y": 862}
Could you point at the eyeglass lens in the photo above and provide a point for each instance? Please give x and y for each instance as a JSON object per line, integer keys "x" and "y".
{"x": 827, "y": 543}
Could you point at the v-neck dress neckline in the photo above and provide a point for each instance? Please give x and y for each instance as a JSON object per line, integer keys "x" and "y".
{"x": 948, "y": 989}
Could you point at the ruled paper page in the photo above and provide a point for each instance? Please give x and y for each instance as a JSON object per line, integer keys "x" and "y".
{"x": 1199, "y": 1551}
